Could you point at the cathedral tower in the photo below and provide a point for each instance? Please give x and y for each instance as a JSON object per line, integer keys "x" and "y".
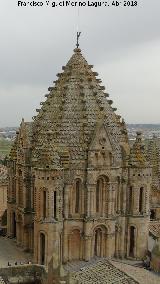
{"x": 73, "y": 185}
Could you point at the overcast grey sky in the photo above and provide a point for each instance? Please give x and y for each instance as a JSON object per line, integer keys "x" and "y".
{"x": 122, "y": 43}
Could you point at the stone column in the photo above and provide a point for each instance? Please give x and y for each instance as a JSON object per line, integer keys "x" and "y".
{"x": 146, "y": 195}
{"x": 14, "y": 189}
{"x": 119, "y": 242}
{"x": 18, "y": 232}
{"x": 9, "y": 225}
{"x": 56, "y": 251}
{"x": 40, "y": 204}
{"x": 16, "y": 185}
{"x": 25, "y": 193}
{"x": 26, "y": 239}
{"x": 31, "y": 239}
{"x": 32, "y": 191}
{"x": 21, "y": 233}
{"x": 65, "y": 243}
{"x": 107, "y": 252}
{"x": 103, "y": 244}
{"x": 88, "y": 248}
{"x": 119, "y": 197}
{"x": 90, "y": 200}
{"x": 113, "y": 201}
{"x": 121, "y": 238}
{"x": 48, "y": 198}
{"x": 110, "y": 244}
{"x": 104, "y": 200}
{"x": 58, "y": 217}
{"x": 110, "y": 200}
{"x": 124, "y": 197}
{"x": 116, "y": 245}
{"x": 87, "y": 202}
{"x": 81, "y": 211}
{"x": 135, "y": 243}
{"x": 66, "y": 200}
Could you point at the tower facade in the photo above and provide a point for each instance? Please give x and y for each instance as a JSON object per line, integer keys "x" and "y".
{"x": 138, "y": 211}
{"x": 76, "y": 188}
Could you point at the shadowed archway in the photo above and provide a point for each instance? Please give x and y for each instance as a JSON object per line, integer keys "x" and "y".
{"x": 99, "y": 242}
{"x": 42, "y": 249}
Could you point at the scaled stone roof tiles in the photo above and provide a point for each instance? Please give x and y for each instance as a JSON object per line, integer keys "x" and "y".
{"x": 74, "y": 106}
{"x": 3, "y": 174}
{"x": 102, "y": 272}
{"x": 154, "y": 228}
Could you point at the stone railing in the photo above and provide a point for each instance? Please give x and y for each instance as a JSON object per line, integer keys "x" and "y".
{"x": 24, "y": 274}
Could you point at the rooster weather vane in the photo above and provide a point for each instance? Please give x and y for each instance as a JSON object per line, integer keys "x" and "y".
{"x": 78, "y": 36}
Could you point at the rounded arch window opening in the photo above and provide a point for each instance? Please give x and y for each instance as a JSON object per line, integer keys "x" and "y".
{"x": 132, "y": 241}
{"x": 99, "y": 241}
{"x": 42, "y": 248}
{"x": 141, "y": 193}
{"x": 101, "y": 194}
{"x": 78, "y": 186}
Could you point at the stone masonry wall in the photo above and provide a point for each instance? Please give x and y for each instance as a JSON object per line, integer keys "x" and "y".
{"x": 25, "y": 274}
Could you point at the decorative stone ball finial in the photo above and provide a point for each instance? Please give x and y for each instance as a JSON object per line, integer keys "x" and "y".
{"x": 77, "y": 50}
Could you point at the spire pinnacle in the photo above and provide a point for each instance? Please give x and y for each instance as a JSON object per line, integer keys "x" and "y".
{"x": 78, "y": 35}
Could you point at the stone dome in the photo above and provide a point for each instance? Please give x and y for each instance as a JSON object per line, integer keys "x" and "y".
{"x": 74, "y": 107}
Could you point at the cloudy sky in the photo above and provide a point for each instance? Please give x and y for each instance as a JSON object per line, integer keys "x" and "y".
{"x": 122, "y": 43}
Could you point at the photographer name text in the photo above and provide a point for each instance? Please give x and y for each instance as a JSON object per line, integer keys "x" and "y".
{"x": 95, "y": 4}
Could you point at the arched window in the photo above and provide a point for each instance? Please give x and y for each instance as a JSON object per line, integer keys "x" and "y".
{"x": 99, "y": 242}
{"x": 101, "y": 195}
{"x": 77, "y": 195}
{"x": 141, "y": 200}
{"x": 42, "y": 249}
{"x": 132, "y": 242}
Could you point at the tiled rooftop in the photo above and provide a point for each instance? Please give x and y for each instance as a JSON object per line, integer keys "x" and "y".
{"x": 154, "y": 228}
{"x": 141, "y": 275}
{"x": 98, "y": 272}
{"x": 103, "y": 271}
{"x": 3, "y": 173}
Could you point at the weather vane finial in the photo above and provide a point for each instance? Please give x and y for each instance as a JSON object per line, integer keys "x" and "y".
{"x": 78, "y": 35}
